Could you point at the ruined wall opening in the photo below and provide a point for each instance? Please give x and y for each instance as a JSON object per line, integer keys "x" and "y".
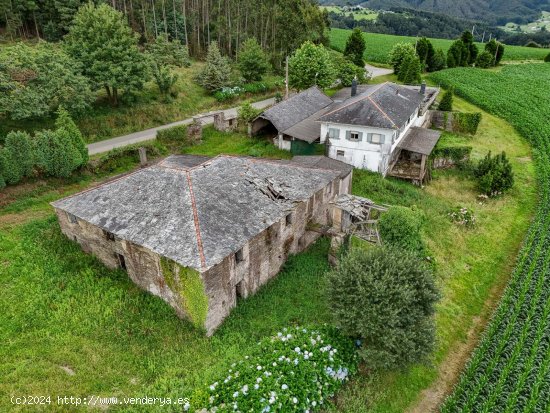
{"x": 239, "y": 290}
{"x": 121, "y": 261}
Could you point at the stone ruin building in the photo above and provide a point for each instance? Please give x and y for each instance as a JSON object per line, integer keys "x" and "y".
{"x": 200, "y": 232}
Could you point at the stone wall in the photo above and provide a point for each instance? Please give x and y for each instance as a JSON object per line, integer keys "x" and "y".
{"x": 260, "y": 259}
{"x": 265, "y": 254}
{"x": 224, "y": 124}
{"x": 141, "y": 264}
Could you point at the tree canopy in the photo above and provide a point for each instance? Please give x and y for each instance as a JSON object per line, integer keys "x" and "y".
{"x": 385, "y": 297}
{"x": 398, "y": 54}
{"x": 36, "y": 80}
{"x": 253, "y": 62}
{"x": 101, "y": 40}
{"x": 217, "y": 71}
{"x": 355, "y": 47}
{"x": 309, "y": 66}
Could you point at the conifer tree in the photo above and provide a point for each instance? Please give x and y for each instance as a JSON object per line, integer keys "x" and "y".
{"x": 216, "y": 72}
{"x": 410, "y": 72}
{"x": 65, "y": 122}
{"x": 18, "y": 145}
{"x": 355, "y": 47}
{"x": 446, "y": 103}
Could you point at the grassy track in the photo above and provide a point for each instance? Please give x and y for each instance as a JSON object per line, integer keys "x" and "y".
{"x": 379, "y": 45}
{"x": 510, "y": 370}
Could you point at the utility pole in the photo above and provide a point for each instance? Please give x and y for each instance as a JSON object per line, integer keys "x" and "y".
{"x": 286, "y": 78}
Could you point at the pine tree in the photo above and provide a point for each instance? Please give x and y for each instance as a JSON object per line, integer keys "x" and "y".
{"x": 10, "y": 172}
{"x": 253, "y": 62}
{"x": 446, "y": 103}
{"x": 438, "y": 62}
{"x": 217, "y": 71}
{"x": 355, "y": 47}
{"x": 496, "y": 49}
{"x": 425, "y": 52}
{"x": 65, "y": 122}
{"x": 470, "y": 47}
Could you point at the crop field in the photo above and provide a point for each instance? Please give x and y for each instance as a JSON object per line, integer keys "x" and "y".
{"x": 379, "y": 46}
{"x": 510, "y": 370}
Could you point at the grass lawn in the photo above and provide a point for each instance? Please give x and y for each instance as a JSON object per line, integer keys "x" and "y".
{"x": 147, "y": 111}
{"x": 472, "y": 265}
{"x": 73, "y": 327}
{"x": 378, "y": 46}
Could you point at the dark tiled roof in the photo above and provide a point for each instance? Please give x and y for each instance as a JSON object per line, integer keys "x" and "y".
{"x": 388, "y": 106}
{"x": 197, "y": 213}
{"x": 322, "y": 162}
{"x": 420, "y": 140}
{"x": 289, "y": 112}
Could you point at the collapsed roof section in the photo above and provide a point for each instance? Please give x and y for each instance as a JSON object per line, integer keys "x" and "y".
{"x": 197, "y": 210}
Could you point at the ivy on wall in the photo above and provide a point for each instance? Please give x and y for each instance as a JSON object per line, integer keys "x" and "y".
{"x": 187, "y": 283}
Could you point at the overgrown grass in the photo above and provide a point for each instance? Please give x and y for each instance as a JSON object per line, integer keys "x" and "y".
{"x": 61, "y": 309}
{"x": 378, "y": 46}
{"x": 471, "y": 264}
{"x": 147, "y": 109}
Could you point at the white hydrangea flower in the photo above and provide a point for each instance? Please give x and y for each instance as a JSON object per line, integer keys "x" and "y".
{"x": 294, "y": 400}
{"x": 284, "y": 387}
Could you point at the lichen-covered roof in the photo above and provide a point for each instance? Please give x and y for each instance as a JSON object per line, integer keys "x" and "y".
{"x": 197, "y": 213}
{"x": 387, "y": 106}
{"x": 420, "y": 140}
{"x": 295, "y": 109}
{"x": 322, "y": 162}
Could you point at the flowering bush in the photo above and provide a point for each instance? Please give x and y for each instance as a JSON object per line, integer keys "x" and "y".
{"x": 228, "y": 93}
{"x": 295, "y": 371}
{"x": 463, "y": 216}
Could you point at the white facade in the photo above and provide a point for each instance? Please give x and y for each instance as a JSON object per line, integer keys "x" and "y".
{"x": 365, "y": 147}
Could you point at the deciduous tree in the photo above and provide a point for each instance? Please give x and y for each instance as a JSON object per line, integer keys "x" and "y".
{"x": 311, "y": 65}
{"x": 102, "y": 41}
{"x": 398, "y": 54}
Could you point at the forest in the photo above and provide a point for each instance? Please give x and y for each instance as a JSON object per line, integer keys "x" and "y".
{"x": 280, "y": 26}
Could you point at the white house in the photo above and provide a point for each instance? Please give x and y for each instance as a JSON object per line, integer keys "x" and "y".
{"x": 379, "y": 128}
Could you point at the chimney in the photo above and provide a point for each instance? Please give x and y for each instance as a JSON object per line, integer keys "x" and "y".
{"x": 354, "y": 87}
{"x": 423, "y": 88}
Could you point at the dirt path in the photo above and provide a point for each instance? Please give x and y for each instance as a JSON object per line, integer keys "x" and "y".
{"x": 450, "y": 369}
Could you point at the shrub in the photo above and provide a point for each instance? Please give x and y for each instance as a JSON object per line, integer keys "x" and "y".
{"x": 65, "y": 122}
{"x": 547, "y": 58}
{"x": 115, "y": 158}
{"x": 247, "y": 113}
{"x": 386, "y": 298}
{"x": 295, "y": 371}
{"x": 494, "y": 174}
{"x": 255, "y": 88}
{"x": 410, "y": 71}
{"x": 466, "y": 122}
{"x": 173, "y": 134}
{"x": 485, "y": 60}
{"x": 446, "y": 103}
{"x": 438, "y": 62}
{"x": 463, "y": 216}
{"x": 400, "y": 228}
{"x": 228, "y": 93}
{"x": 11, "y": 173}
{"x": 347, "y": 71}
{"x": 253, "y": 62}
{"x": 19, "y": 147}
{"x": 56, "y": 156}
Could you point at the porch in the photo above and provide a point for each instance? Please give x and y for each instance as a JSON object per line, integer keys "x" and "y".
{"x": 410, "y": 157}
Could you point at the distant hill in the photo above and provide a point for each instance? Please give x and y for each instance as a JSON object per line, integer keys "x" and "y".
{"x": 491, "y": 11}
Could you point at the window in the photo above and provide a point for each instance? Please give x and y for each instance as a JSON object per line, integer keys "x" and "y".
{"x": 108, "y": 235}
{"x": 354, "y": 136}
{"x": 334, "y": 133}
{"x": 239, "y": 256}
{"x": 288, "y": 219}
{"x": 376, "y": 138}
{"x": 340, "y": 153}
{"x": 72, "y": 218}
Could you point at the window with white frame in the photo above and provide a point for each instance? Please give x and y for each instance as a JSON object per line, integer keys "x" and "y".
{"x": 334, "y": 133}
{"x": 354, "y": 136}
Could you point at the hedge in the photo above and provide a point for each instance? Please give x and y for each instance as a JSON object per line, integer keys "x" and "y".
{"x": 174, "y": 134}
{"x": 118, "y": 157}
{"x": 466, "y": 122}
